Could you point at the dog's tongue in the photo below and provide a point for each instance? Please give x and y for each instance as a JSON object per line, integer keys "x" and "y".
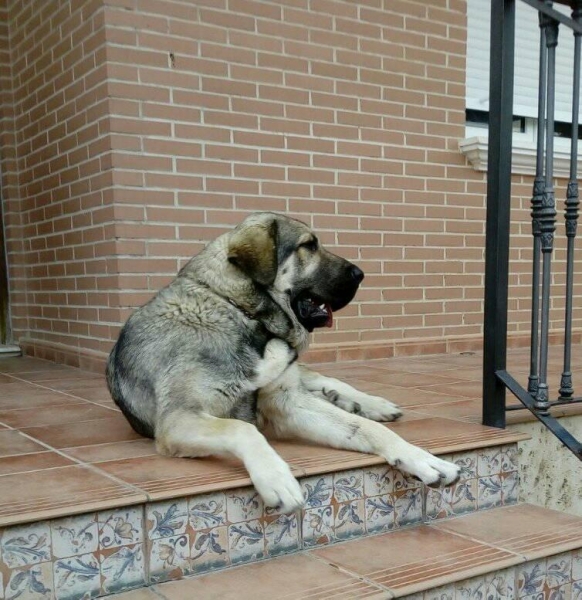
{"x": 329, "y": 322}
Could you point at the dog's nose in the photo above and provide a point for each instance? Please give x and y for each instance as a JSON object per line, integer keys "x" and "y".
{"x": 357, "y": 274}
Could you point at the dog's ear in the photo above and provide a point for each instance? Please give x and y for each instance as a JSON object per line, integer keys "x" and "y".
{"x": 253, "y": 249}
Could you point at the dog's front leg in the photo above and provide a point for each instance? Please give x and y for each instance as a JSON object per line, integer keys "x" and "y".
{"x": 290, "y": 410}
{"x": 349, "y": 398}
{"x": 182, "y": 433}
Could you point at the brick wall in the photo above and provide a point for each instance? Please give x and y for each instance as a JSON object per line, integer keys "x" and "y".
{"x": 144, "y": 128}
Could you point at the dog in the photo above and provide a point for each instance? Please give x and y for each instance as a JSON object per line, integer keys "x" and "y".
{"x": 209, "y": 364}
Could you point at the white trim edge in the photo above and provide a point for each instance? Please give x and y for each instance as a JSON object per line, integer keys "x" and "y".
{"x": 523, "y": 157}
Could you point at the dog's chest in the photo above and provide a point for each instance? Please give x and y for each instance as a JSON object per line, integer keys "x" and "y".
{"x": 245, "y": 408}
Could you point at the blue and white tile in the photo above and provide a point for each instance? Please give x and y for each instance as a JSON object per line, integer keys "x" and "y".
{"x": 318, "y": 526}
{"x": 30, "y": 583}
{"x": 489, "y": 493}
{"x": 577, "y": 565}
{"x": 77, "y": 577}
{"x": 243, "y": 504}
{"x": 405, "y": 482}
{"x": 499, "y": 459}
{"x": 246, "y": 541}
{"x": 123, "y": 569}
{"x": 207, "y": 510}
{"x": 378, "y": 481}
{"x": 509, "y": 487}
{"x": 380, "y": 513}
{"x": 531, "y": 578}
{"x": 166, "y": 519}
{"x": 282, "y": 535}
{"x": 499, "y": 586}
{"x": 455, "y": 499}
{"x": 75, "y": 535}
{"x": 467, "y": 462}
{"x": 169, "y": 555}
{"x": 26, "y": 545}
{"x": 317, "y": 490}
{"x": 407, "y": 507}
{"x": 350, "y": 520}
{"x": 209, "y": 550}
{"x": 348, "y": 485}
{"x": 564, "y": 592}
{"x": 577, "y": 590}
{"x": 559, "y": 570}
{"x": 121, "y": 527}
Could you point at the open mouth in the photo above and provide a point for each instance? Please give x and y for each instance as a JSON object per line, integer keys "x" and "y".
{"x": 313, "y": 312}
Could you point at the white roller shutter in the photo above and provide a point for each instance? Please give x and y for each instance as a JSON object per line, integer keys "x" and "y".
{"x": 526, "y": 61}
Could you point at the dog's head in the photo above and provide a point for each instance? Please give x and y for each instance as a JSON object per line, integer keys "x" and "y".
{"x": 282, "y": 253}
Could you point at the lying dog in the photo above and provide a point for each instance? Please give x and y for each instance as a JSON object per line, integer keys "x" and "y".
{"x": 211, "y": 360}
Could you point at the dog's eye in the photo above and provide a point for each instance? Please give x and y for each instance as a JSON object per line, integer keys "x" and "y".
{"x": 310, "y": 245}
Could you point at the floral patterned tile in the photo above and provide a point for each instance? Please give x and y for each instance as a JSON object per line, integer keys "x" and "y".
{"x": 489, "y": 492}
{"x": 243, "y": 505}
{"x": 282, "y": 534}
{"x": 209, "y": 550}
{"x": 499, "y": 585}
{"x": 123, "y": 569}
{"x": 32, "y": 582}
{"x": 378, "y": 481}
{"x": 317, "y": 491}
{"x": 380, "y": 513}
{"x": 246, "y": 541}
{"x": 577, "y": 590}
{"x": 577, "y": 565}
{"x": 531, "y": 578}
{"x": 165, "y": 519}
{"x": 207, "y": 511}
{"x": 169, "y": 558}
{"x": 559, "y": 570}
{"x": 120, "y": 527}
{"x": 348, "y": 485}
{"x": 452, "y": 500}
{"x": 317, "y": 526}
{"x": 75, "y": 535}
{"x": 26, "y": 545}
{"x": 407, "y": 507}
{"x": 77, "y": 577}
{"x": 496, "y": 460}
{"x": 349, "y": 520}
{"x": 509, "y": 488}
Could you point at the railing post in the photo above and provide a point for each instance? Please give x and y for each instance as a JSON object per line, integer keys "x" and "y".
{"x": 498, "y": 209}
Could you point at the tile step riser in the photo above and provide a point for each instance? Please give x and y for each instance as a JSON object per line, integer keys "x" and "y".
{"x": 104, "y": 552}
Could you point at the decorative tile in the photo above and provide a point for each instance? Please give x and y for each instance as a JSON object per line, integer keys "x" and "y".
{"x": 317, "y": 526}
{"x": 378, "y": 481}
{"x": 77, "y": 577}
{"x": 499, "y": 585}
{"x": 75, "y": 535}
{"x": 32, "y": 583}
{"x": 499, "y": 459}
{"x": 317, "y": 491}
{"x": 457, "y": 499}
{"x": 577, "y": 565}
{"x": 348, "y": 485}
{"x": 121, "y": 527}
{"x": 26, "y": 544}
{"x": 531, "y": 578}
{"x": 349, "y": 520}
{"x": 445, "y": 592}
{"x": 577, "y": 590}
{"x": 380, "y": 513}
{"x": 564, "y": 592}
{"x": 246, "y": 541}
{"x": 282, "y": 535}
{"x": 209, "y": 550}
{"x": 509, "y": 487}
{"x": 123, "y": 569}
{"x": 467, "y": 462}
{"x": 166, "y": 519}
{"x": 559, "y": 570}
{"x": 169, "y": 558}
{"x": 404, "y": 482}
{"x": 407, "y": 507}
{"x": 243, "y": 505}
{"x": 207, "y": 510}
{"x": 489, "y": 492}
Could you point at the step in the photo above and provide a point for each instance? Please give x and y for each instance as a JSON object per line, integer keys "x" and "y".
{"x": 517, "y": 552}
{"x": 88, "y": 508}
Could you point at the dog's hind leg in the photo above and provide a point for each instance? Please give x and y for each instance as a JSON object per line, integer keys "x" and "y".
{"x": 182, "y": 433}
{"x": 348, "y": 398}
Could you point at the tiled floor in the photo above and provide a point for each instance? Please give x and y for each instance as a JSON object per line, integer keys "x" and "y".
{"x": 66, "y": 449}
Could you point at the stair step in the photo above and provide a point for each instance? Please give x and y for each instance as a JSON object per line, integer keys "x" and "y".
{"x": 520, "y": 551}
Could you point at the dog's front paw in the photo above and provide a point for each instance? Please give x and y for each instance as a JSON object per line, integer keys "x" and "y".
{"x": 278, "y": 488}
{"x": 370, "y": 407}
{"x": 430, "y": 469}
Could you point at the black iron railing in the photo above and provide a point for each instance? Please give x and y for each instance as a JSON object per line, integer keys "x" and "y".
{"x": 496, "y": 379}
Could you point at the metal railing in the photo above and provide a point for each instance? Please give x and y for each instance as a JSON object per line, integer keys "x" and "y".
{"x": 496, "y": 379}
